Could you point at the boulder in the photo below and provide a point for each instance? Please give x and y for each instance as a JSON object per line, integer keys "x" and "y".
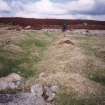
{"x": 11, "y": 81}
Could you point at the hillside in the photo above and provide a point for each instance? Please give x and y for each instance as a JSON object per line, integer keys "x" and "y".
{"x": 54, "y": 23}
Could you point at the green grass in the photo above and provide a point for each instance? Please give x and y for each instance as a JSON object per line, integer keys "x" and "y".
{"x": 94, "y": 49}
{"x": 98, "y": 76}
{"x": 65, "y": 99}
{"x": 25, "y": 63}
{"x": 11, "y": 65}
{"x": 92, "y": 45}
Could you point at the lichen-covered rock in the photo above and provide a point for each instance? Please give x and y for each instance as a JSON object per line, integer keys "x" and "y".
{"x": 12, "y": 81}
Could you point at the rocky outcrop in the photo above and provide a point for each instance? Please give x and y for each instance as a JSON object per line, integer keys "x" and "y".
{"x": 39, "y": 95}
{"x": 47, "y": 92}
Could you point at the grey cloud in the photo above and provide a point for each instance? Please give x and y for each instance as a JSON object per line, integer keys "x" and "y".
{"x": 82, "y": 9}
{"x": 97, "y": 9}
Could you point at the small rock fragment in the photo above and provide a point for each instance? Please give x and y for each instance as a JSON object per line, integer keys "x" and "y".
{"x": 37, "y": 90}
{"x": 50, "y": 93}
{"x": 54, "y": 89}
{"x": 51, "y": 97}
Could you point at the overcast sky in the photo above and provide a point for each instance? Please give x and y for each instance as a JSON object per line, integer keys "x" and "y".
{"x": 65, "y": 9}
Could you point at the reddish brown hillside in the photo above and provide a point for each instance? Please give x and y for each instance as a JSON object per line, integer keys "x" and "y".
{"x": 54, "y": 23}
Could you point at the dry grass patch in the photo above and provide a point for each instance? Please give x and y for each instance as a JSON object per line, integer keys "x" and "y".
{"x": 71, "y": 66}
{"x": 74, "y": 63}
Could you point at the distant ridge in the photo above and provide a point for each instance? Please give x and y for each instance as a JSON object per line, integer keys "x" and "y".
{"x": 54, "y": 23}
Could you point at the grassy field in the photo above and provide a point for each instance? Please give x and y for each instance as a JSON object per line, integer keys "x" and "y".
{"x": 93, "y": 47}
{"x": 23, "y": 55}
{"x": 76, "y": 63}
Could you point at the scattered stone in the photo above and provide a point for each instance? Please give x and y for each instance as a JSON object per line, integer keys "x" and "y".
{"x": 42, "y": 75}
{"x": 50, "y": 93}
{"x": 54, "y": 89}
{"x": 28, "y": 27}
{"x": 51, "y": 97}
{"x": 47, "y": 92}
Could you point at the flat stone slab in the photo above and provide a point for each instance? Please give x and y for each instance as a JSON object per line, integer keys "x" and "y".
{"x": 38, "y": 95}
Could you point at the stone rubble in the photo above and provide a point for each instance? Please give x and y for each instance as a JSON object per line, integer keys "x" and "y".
{"x": 38, "y": 95}
{"x": 47, "y": 92}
